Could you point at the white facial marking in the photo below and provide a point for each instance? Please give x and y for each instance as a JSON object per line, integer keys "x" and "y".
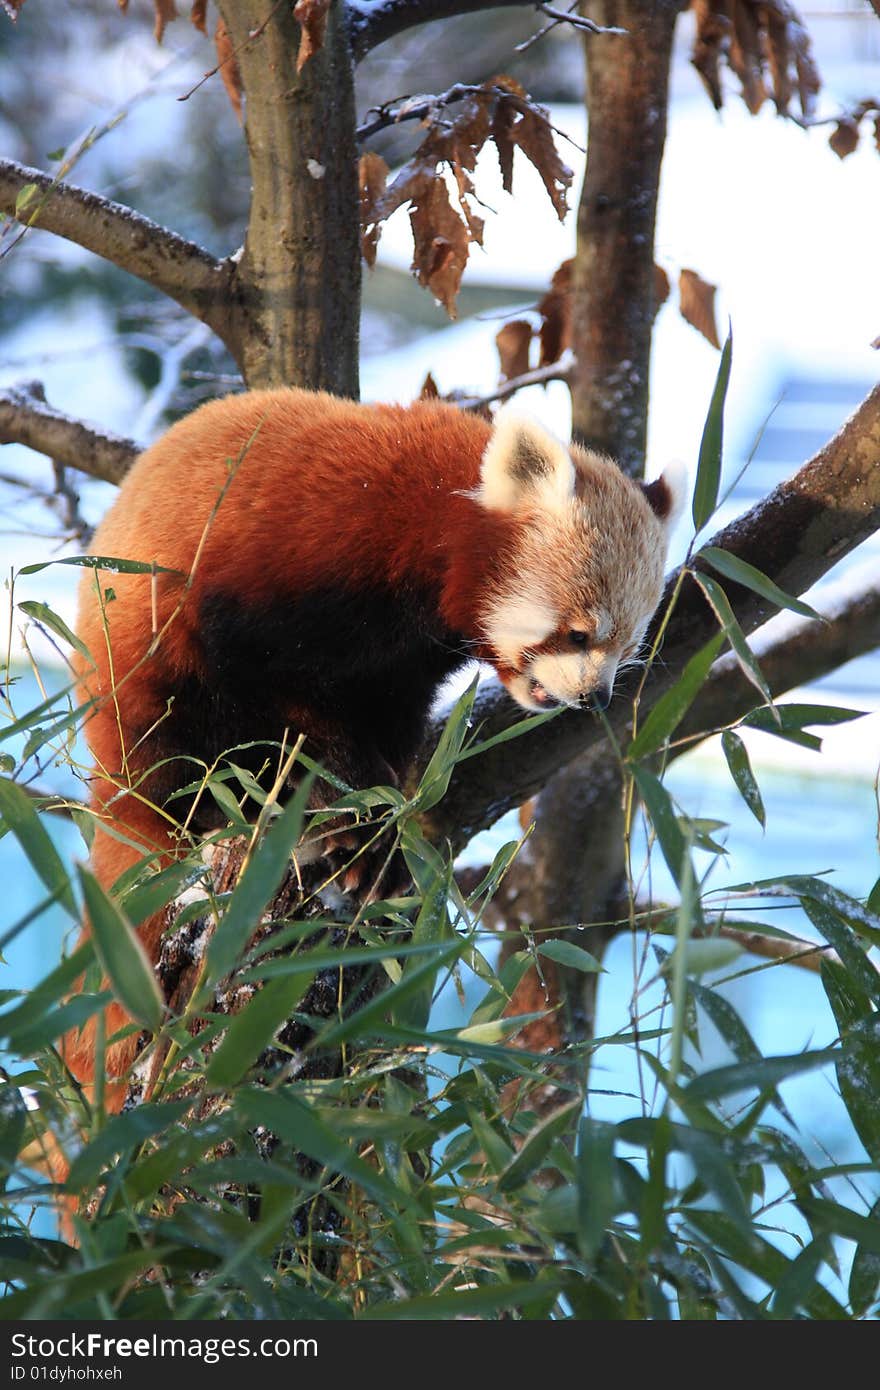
{"x": 518, "y": 622}
{"x": 566, "y": 677}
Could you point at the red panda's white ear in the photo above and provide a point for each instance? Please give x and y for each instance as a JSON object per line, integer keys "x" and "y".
{"x": 669, "y": 493}
{"x": 524, "y": 464}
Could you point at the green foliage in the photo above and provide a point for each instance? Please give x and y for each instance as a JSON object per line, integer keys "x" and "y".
{"x": 362, "y": 1160}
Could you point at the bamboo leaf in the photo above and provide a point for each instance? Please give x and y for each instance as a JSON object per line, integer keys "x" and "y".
{"x": 741, "y": 771}
{"x": 712, "y": 442}
{"x": 256, "y": 886}
{"x": 568, "y": 954}
{"x": 42, "y": 613}
{"x": 101, "y": 562}
{"x": 536, "y": 1146}
{"x": 720, "y": 605}
{"x": 858, "y": 1075}
{"x": 122, "y": 956}
{"x": 765, "y": 1074}
{"x": 658, "y": 804}
{"x": 18, "y": 813}
{"x": 435, "y": 778}
{"x": 864, "y": 1276}
{"x": 596, "y": 1195}
{"x": 671, "y": 708}
{"x": 294, "y": 1121}
{"x": 13, "y": 1118}
{"x": 864, "y": 977}
{"x": 120, "y": 1134}
{"x": 741, "y": 572}
{"x": 252, "y": 1030}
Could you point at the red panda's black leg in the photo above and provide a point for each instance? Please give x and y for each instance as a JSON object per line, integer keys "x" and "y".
{"x": 359, "y": 855}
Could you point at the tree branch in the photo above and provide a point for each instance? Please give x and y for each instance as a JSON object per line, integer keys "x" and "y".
{"x": 25, "y": 419}
{"x": 793, "y": 652}
{"x": 560, "y": 370}
{"x": 370, "y": 24}
{"x": 795, "y": 535}
{"x": 169, "y": 263}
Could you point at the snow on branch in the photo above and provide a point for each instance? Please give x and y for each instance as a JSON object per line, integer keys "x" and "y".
{"x": 26, "y": 419}
{"x": 371, "y": 22}
{"x": 179, "y": 268}
{"x": 795, "y": 535}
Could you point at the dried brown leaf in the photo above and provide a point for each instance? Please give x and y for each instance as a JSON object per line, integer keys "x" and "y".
{"x": 711, "y": 44}
{"x": 844, "y": 139}
{"x": 458, "y": 144}
{"x": 661, "y": 287}
{"x": 513, "y": 342}
{"x": 372, "y": 177}
{"x": 502, "y": 122}
{"x": 505, "y": 114}
{"x": 198, "y": 15}
{"x": 808, "y": 80}
{"x": 555, "y": 310}
{"x": 441, "y": 242}
{"x": 746, "y": 53}
{"x": 530, "y": 130}
{"x": 762, "y": 41}
{"x": 166, "y": 10}
{"x": 311, "y": 15}
{"x": 441, "y": 250}
{"x": 697, "y": 305}
{"x": 779, "y": 58}
{"x": 228, "y": 67}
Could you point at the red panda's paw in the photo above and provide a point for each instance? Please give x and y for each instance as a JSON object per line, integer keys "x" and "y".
{"x": 363, "y": 861}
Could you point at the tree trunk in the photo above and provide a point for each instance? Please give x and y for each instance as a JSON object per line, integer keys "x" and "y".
{"x": 574, "y": 869}
{"x": 627, "y": 96}
{"x": 299, "y": 278}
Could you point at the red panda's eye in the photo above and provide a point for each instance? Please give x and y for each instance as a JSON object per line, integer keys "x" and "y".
{"x": 577, "y": 638}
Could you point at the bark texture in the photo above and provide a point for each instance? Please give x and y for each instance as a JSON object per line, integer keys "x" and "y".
{"x": 297, "y": 289}
{"x": 627, "y": 97}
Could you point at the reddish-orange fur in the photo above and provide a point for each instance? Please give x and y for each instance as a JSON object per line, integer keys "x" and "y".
{"x": 274, "y": 499}
{"x": 287, "y": 520}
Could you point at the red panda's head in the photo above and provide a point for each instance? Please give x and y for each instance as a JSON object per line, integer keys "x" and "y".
{"x": 587, "y": 572}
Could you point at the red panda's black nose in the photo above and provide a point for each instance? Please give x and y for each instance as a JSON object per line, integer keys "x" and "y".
{"x": 600, "y": 697}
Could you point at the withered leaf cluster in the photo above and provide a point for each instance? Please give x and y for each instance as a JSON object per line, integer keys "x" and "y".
{"x": 551, "y": 326}
{"x": 765, "y": 44}
{"x": 553, "y": 331}
{"x": 499, "y": 112}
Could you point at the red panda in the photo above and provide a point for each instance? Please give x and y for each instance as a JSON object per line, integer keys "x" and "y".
{"x": 331, "y": 564}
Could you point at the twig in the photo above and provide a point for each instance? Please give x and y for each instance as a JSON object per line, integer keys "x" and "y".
{"x": 234, "y": 52}
{"x": 410, "y": 108}
{"x": 26, "y": 419}
{"x": 538, "y": 376}
{"x": 578, "y": 21}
